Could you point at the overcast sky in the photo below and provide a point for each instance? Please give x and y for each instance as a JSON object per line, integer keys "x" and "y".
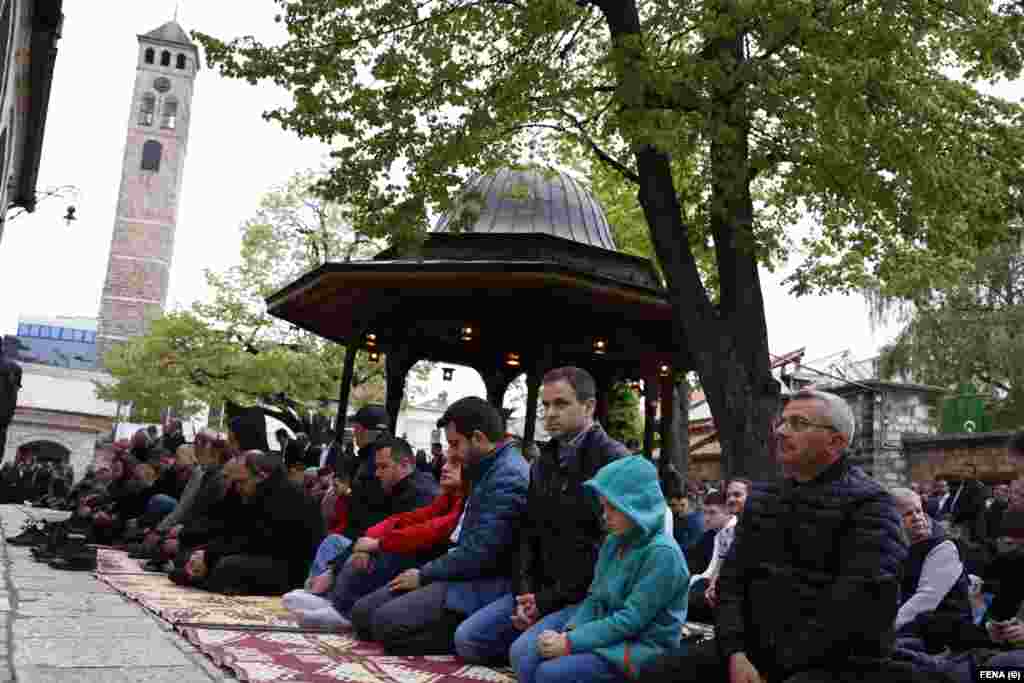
{"x": 50, "y": 269}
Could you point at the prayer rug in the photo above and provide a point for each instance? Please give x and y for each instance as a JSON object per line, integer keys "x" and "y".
{"x": 184, "y": 606}
{"x": 318, "y": 658}
{"x": 111, "y": 561}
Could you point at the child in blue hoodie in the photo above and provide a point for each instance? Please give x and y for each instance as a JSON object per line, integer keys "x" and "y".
{"x": 636, "y": 606}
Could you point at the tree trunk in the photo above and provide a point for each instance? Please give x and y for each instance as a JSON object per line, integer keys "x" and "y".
{"x": 675, "y": 435}
{"x": 727, "y": 341}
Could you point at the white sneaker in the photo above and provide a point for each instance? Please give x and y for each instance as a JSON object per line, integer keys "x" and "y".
{"x": 325, "y": 617}
{"x": 304, "y": 601}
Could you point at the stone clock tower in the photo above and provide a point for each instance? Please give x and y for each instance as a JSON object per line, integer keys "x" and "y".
{"x": 142, "y": 247}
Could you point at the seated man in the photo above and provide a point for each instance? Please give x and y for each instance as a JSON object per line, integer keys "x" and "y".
{"x": 736, "y": 491}
{"x": 402, "y": 488}
{"x": 809, "y": 591}
{"x": 700, "y": 555}
{"x": 418, "y": 612}
{"x": 934, "y": 581}
{"x": 267, "y": 554}
{"x": 400, "y": 542}
{"x": 561, "y": 532}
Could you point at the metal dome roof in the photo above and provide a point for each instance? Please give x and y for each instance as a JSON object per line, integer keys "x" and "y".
{"x": 535, "y": 202}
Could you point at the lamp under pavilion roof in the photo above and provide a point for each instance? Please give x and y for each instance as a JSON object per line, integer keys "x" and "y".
{"x": 527, "y": 261}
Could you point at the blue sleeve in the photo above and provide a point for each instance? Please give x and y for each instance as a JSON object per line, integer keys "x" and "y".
{"x": 661, "y": 576}
{"x": 481, "y": 545}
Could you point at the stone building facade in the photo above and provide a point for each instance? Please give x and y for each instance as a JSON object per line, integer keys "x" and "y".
{"x": 142, "y": 245}
{"x": 885, "y": 413}
{"x": 58, "y": 412}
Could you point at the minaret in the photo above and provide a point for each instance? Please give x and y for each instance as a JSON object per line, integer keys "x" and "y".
{"x": 142, "y": 247}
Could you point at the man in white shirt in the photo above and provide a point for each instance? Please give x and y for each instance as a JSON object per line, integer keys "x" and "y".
{"x": 934, "y": 579}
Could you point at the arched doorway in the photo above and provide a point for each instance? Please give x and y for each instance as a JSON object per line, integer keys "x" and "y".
{"x": 43, "y": 451}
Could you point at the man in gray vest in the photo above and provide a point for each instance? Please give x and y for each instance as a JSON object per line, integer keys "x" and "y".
{"x": 10, "y": 383}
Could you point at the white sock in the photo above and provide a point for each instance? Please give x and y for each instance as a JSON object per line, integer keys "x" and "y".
{"x": 304, "y": 601}
{"x": 324, "y": 617}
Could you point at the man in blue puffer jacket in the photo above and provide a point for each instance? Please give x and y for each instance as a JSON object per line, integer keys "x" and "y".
{"x": 418, "y": 612}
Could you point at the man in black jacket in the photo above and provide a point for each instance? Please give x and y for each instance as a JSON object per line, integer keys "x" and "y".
{"x": 561, "y": 532}
{"x": 809, "y": 590}
{"x": 270, "y": 553}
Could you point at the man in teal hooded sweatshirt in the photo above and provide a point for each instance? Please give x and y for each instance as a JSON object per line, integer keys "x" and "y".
{"x": 636, "y": 606}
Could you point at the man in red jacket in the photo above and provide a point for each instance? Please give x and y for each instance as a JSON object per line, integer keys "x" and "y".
{"x": 402, "y": 541}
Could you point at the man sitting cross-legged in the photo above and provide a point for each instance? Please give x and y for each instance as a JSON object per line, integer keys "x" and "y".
{"x": 809, "y": 591}
{"x": 268, "y": 552}
{"x": 561, "y": 530}
{"x": 398, "y": 486}
{"x": 400, "y": 542}
{"x": 418, "y": 611}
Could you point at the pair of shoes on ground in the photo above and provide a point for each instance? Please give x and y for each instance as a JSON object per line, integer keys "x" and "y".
{"x": 32, "y": 533}
{"x": 314, "y": 611}
{"x": 159, "y": 565}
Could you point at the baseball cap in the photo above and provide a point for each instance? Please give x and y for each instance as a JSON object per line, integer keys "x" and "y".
{"x": 372, "y": 417}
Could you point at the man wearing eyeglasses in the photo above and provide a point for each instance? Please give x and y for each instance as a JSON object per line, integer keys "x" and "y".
{"x": 809, "y": 590}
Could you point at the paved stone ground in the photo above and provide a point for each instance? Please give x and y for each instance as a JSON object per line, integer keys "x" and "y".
{"x": 67, "y": 627}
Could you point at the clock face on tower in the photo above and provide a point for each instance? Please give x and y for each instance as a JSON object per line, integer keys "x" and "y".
{"x": 162, "y": 84}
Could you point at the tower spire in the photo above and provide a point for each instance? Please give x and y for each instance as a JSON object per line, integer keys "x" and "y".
{"x": 177, "y": 3}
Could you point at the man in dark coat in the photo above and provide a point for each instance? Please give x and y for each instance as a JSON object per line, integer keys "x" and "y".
{"x": 809, "y": 590}
{"x": 561, "y": 531}
{"x": 269, "y": 552}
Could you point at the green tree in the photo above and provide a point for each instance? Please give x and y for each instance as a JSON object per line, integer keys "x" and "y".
{"x": 970, "y": 332}
{"x": 228, "y": 349}
{"x": 625, "y": 419}
{"x": 842, "y": 110}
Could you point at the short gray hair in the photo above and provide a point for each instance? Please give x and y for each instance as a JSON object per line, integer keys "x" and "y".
{"x": 901, "y": 494}
{"x": 837, "y": 410}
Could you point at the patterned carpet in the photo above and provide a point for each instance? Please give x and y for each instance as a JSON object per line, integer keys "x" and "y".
{"x": 110, "y": 561}
{"x": 313, "y": 658}
{"x": 257, "y": 640}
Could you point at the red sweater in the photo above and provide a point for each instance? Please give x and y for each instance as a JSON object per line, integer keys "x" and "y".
{"x": 341, "y": 515}
{"x": 420, "y": 529}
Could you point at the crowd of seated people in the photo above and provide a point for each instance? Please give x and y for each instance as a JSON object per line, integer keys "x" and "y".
{"x": 40, "y": 483}
{"x": 584, "y": 562}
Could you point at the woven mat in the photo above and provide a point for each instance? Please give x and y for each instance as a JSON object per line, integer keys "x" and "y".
{"x": 316, "y": 658}
{"x": 183, "y": 606}
{"x": 111, "y": 561}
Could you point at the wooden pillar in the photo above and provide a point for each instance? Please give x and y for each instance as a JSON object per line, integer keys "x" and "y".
{"x": 532, "y": 396}
{"x": 397, "y": 366}
{"x": 650, "y": 408}
{"x": 347, "y": 372}
{"x": 604, "y": 387}
{"x": 674, "y": 425}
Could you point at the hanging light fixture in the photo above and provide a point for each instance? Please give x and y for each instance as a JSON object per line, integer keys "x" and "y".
{"x": 371, "y": 340}
{"x": 467, "y": 333}
{"x": 600, "y": 346}
{"x": 374, "y": 356}
{"x": 447, "y": 374}
{"x": 664, "y": 370}
{"x": 512, "y": 359}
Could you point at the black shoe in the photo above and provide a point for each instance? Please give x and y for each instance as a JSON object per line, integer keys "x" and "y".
{"x": 32, "y": 534}
{"x": 158, "y": 566}
{"x": 82, "y": 560}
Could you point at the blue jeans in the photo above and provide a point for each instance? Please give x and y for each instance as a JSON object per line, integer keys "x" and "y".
{"x": 330, "y": 548}
{"x": 351, "y": 584}
{"x": 488, "y": 633}
{"x": 526, "y": 660}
